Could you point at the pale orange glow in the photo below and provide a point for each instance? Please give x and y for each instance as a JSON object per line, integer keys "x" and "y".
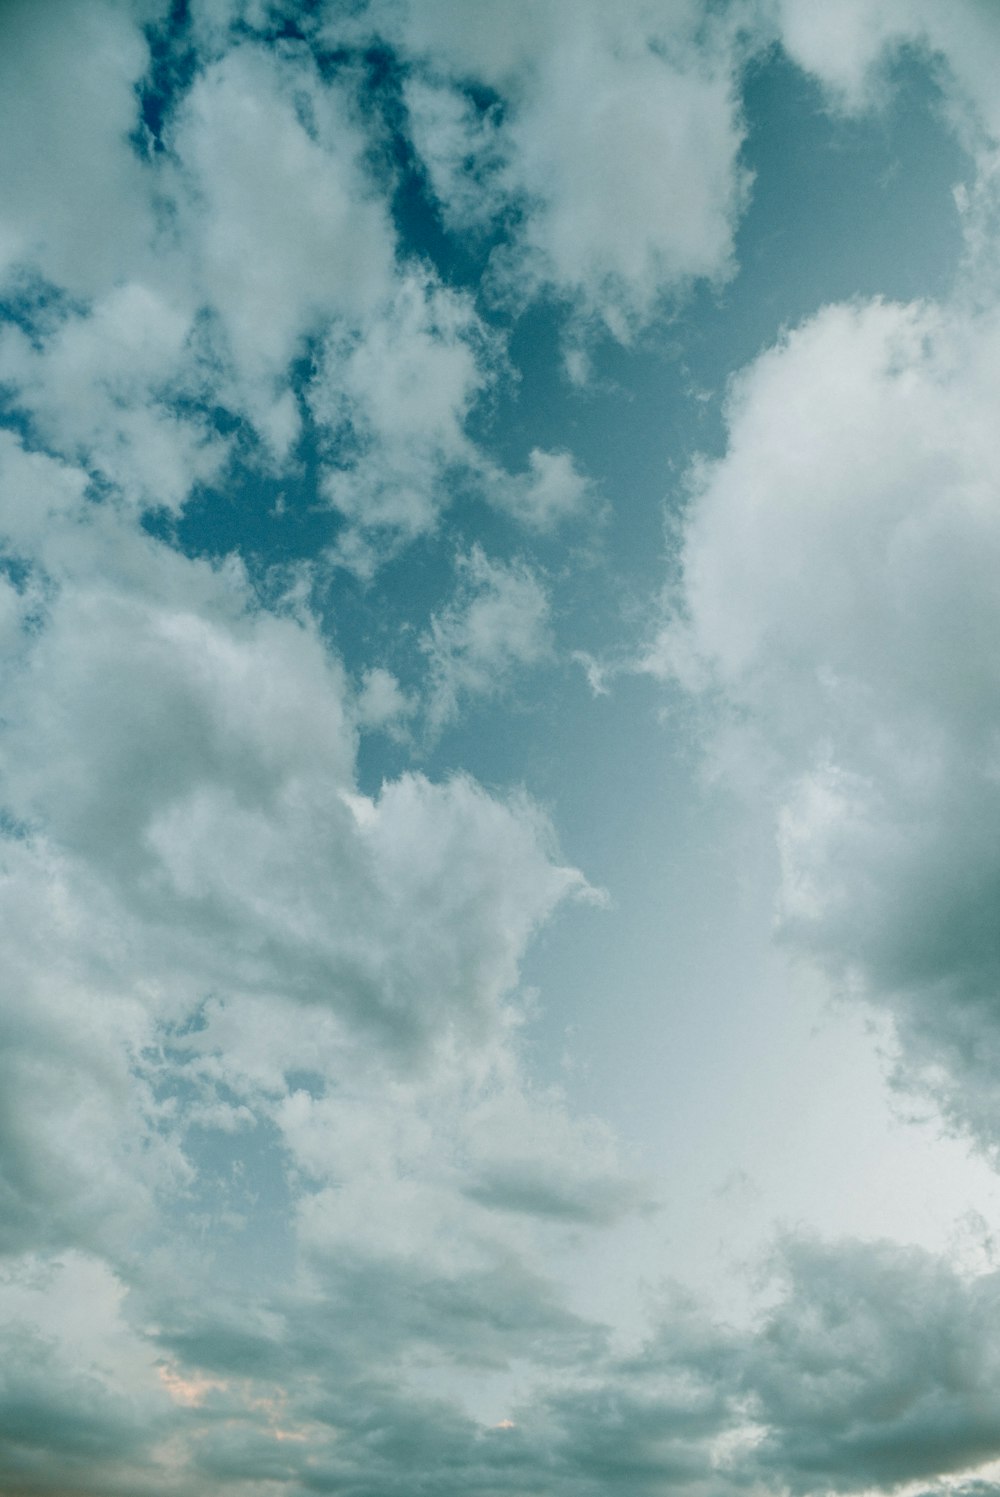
{"x": 188, "y": 1391}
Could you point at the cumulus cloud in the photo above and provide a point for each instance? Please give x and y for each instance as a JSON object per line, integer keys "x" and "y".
{"x": 284, "y": 227}
{"x": 227, "y": 793}
{"x": 391, "y": 397}
{"x": 838, "y": 568}
{"x": 577, "y": 96}
{"x": 106, "y": 388}
{"x": 222, "y": 957}
{"x": 849, "y": 46}
{"x": 382, "y": 703}
{"x": 550, "y": 491}
{"x": 282, "y": 1199}
{"x": 876, "y": 1367}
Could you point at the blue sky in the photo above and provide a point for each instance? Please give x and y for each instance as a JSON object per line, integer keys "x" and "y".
{"x": 499, "y": 748}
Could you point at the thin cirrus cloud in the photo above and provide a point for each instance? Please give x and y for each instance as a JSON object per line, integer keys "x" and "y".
{"x": 316, "y": 320}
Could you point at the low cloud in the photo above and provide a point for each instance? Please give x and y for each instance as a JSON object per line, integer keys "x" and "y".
{"x": 877, "y": 1367}
{"x": 497, "y": 623}
{"x": 577, "y": 97}
{"x": 837, "y": 590}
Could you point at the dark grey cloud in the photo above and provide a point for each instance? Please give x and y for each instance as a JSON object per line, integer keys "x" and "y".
{"x": 877, "y": 1366}
{"x": 62, "y": 1429}
{"x": 592, "y": 1201}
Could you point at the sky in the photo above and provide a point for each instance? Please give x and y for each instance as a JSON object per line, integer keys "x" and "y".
{"x": 499, "y": 748}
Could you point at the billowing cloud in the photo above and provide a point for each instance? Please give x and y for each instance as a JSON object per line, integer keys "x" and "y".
{"x": 877, "y": 1367}
{"x": 850, "y": 45}
{"x": 291, "y": 1195}
{"x": 284, "y": 227}
{"x": 221, "y": 956}
{"x": 615, "y": 142}
{"x": 390, "y": 399}
{"x": 108, "y": 388}
{"x": 550, "y": 491}
{"x": 838, "y": 587}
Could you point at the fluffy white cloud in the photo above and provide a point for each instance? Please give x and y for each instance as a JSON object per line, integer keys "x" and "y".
{"x": 214, "y": 942}
{"x": 226, "y": 792}
{"x": 278, "y": 227}
{"x": 273, "y": 237}
{"x": 382, "y": 703}
{"x": 838, "y": 587}
{"x": 848, "y": 44}
{"x": 281, "y": 1201}
{"x": 277, "y": 210}
{"x": 391, "y": 398}
{"x": 616, "y": 140}
{"x": 463, "y": 150}
{"x": 104, "y": 387}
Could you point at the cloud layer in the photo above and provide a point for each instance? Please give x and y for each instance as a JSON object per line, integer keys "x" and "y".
{"x": 288, "y": 1203}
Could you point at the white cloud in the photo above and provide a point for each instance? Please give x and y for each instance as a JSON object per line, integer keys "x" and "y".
{"x": 39, "y": 495}
{"x": 618, "y": 144}
{"x": 463, "y": 151}
{"x": 382, "y": 702}
{"x": 74, "y": 200}
{"x": 181, "y": 769}
{"x": 284, "y": 229}
{"x": 551, "y": 491}
{"x": 225, "y": 790}
{"x": 102, "y": 389}
{"x": 497, "y": 623}
{"x": 391, "y": 398}
{"x": 838, "y": 587}
{"x": 848, "y": 45}
{"x": 281, "y": 1199}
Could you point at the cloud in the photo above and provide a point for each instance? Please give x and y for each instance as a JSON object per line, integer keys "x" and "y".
{"x": 69, "y": 170}
{"x": 498, "y": 622}
{"x": 382, "y": 703}
{"x": 80, "y": 1403}
{"x": 274, "y": 243}
{"x": 248, "y": 1015}
{"x": 877, "y": 1367}
{"x": 550, "y": 492}
{"x": 269, "y": 228}
{"x": 281, "y": 1197}
{"x": 837, "y": 589}
{"x": 849, "y": 46}
{"x": 283, "y": 225}
{"x": 107, "y": 388}
{"x": 616, "y": 145}
{"x": 391, "y": 398}
{"x": 222, "y": 799}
